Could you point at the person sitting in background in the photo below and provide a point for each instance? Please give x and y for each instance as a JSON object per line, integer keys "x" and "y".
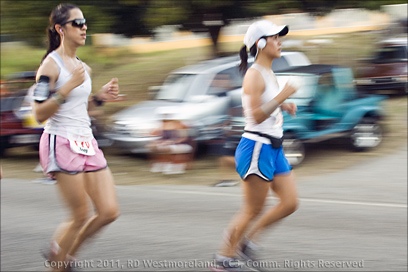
{"x": 226, "y": 146}
{"x": 221, "y": 84}
{"x": 173, "y": 150}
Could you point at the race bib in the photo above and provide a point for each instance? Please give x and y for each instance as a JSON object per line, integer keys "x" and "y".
{"x": 82, "y": 145}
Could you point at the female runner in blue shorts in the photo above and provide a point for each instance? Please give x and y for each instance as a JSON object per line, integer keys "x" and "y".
{"x": 259, "y": 157}
{"x": 68, "y": 151}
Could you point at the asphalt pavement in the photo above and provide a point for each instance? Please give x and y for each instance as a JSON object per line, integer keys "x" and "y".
{"x": 351, "y": 220}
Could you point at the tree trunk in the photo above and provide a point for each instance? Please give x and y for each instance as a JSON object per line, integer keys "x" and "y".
{"x": 214, "y": 23}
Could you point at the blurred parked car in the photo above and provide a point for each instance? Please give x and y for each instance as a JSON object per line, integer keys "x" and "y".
{"x": 290, "y": 59}
{"x": 387, "y": 69}
{"x": 328, "y": 107}
{"x": 190, "y": 91}
{"x": 200, "y": 98}
{"x": 18, "y": 126}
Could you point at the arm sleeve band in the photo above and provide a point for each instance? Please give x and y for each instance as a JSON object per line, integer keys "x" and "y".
{"x": 42, "y": 89}
{"x": 270, "y": 107}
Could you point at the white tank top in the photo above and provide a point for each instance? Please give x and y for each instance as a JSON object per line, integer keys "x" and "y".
{"x": 72, "y": 117}
{"x": 273, "y": 124}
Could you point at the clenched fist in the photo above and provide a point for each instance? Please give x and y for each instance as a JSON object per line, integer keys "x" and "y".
{"x": 110, "y": 90}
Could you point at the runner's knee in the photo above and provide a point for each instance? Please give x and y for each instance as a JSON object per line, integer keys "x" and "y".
{"x": 109, "y": 215}
{"x": 290, "y": 205}
{"x": 252, "y": 212}
{"x": 80, "y": 218}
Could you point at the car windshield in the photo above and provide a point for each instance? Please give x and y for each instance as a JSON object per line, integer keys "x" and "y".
{"x": 175, "y": 87}
{"x": 280, "y": 64}
{"x": 391, "y": 54}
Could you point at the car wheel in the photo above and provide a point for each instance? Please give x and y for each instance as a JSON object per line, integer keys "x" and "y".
{"x": 4, "y": 142}
{"x": 294, "y": 149}
{"x": 366, "y": 134}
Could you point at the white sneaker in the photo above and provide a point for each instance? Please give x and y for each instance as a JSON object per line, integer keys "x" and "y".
{"x": 175, "y": 168}
{"x": 38, "y": 168}
{"x": 157, "y": 167}
{"x": 49, "y": 181}
{"x": 167, "y": 168}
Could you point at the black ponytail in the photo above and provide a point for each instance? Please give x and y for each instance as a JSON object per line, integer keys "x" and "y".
{"x": 243, "y": 55}
{"x": 54, "y": 41}
{"x": 253, "y": 50}
{"x": 243, "y": 66}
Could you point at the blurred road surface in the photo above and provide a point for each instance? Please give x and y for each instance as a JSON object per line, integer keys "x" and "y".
{"x": 351, "y": 220}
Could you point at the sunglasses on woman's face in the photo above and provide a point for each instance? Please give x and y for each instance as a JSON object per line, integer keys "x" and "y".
{"x": 79, "y": 23}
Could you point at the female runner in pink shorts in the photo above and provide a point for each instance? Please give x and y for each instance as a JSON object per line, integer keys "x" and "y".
{"x": 68, "y": 151}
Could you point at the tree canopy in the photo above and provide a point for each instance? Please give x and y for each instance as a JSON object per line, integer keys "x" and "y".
{"x": 27, "y": 20}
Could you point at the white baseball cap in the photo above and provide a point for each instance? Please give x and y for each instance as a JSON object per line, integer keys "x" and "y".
{"x": 263, "y": 28}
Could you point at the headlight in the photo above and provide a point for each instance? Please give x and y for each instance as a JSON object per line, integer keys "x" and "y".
{"x": 401, "y": 78}
{"x": 133, "y": 129}
{"x": 109, "y": 123}
{"x": 141, "y": 132}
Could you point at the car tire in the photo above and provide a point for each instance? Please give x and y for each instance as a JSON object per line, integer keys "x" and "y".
{"x": 366, "y": 134}
{"x": 294, "y": 149}
{"x": 4, "y": 143}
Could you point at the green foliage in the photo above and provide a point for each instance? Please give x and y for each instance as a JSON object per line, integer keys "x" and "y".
{"x": 17, "y": 57}
{"x": 27, "y": 20}
{"x": 99, "y": 20}
{"x": 164, "y": 13}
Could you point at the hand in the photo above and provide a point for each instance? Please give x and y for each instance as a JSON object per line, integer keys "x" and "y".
{"x": 289, "y": 89}
{"x": 110, "y": 90}
{"x": 290, "y": 108}
{"x": 294, "y": 82}
{"x": 78, "y": 76}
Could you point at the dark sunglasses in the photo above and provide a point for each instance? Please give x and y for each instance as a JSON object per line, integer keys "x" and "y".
{"x": 79, "y": 23}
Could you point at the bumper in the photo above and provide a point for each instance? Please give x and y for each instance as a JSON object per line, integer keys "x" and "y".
{"x": 130, "y": 144}
{"x": 385, "y": 86}
{"x": 25, "y": 139}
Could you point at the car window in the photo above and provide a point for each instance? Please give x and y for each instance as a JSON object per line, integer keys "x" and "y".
{"x": 329, "y": 98}
{"x": 175, "y": 87}
{"x": 343, "y": 80}
{"x": 325, "y": 86}
{"x": 326, "y": 81}
{"x": 391, "y": 53}
{"x": 225, "y": 81}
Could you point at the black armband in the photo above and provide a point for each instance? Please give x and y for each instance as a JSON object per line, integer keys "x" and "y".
{"x": 42, "y": 89}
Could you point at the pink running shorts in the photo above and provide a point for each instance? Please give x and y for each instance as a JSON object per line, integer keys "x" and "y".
{"x": 56, "y": 156}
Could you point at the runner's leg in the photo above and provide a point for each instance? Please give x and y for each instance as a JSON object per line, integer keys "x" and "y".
{"x": 255, "y": 192}
{"x": 101, "y": 189}
{"x": 284, "y": 187}
{"x": 72, "y": 191}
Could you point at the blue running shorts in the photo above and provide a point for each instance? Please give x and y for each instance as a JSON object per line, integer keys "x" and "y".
{"x": 252, "y": 157}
